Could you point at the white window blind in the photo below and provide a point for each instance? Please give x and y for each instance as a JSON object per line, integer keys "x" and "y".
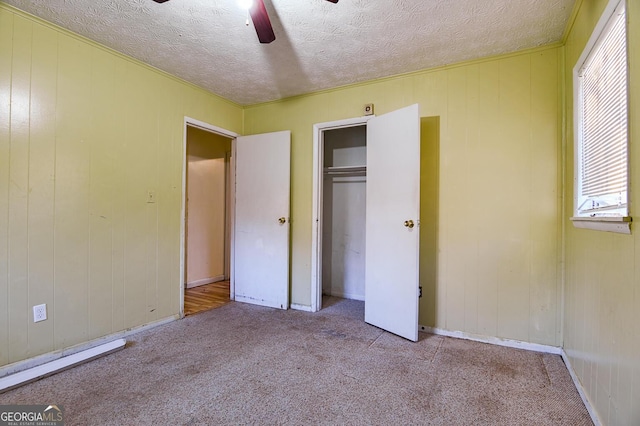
{"x": 603, "y": 121}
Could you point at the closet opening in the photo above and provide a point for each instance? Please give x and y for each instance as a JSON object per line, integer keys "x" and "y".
{"x": 339, "y": 205}
{"x": 367, "y": 197}
{"x": 343, "y": 212}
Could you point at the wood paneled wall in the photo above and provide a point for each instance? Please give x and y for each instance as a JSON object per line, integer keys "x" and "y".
{"x": 85, "y": 134}
{"x": 498, "y": 191}
{"x": 602, "y": 287}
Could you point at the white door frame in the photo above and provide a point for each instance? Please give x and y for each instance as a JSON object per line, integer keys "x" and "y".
{"x": 192, "y": 122}
{"x": 316, "y": 225}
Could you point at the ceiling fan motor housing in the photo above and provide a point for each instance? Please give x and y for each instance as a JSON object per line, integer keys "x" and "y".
{"x": 260, "y": 19}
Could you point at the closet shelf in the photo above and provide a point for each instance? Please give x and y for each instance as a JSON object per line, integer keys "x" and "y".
{"x": 346, "y": 171}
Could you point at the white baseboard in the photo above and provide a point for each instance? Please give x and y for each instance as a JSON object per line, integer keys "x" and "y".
{"x": 44, "y": 370}
{"x": 204, "y": 281}
{"x": 351, "y": 296}
{"x": 52, "y": 356}
{"x": 304, "y": 308}
{"x": 517, "y": 344}
{"x": 583, "y": 394}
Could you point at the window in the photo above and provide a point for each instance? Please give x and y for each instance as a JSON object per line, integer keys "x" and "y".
{"x": 601, "y": 112}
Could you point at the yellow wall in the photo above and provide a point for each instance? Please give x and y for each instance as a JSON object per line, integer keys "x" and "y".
{"x": 498, "y": 207}
{"x": 429, "y": 220}
{"x": 84, "y": 134}
{"x": 602, "y": 284}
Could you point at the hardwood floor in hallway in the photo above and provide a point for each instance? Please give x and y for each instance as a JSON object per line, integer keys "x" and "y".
{"x": 205, "y": 297}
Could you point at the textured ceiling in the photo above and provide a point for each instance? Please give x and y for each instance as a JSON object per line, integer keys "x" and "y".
{"x": 318, "y": 44}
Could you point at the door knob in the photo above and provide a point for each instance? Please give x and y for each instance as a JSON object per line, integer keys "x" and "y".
{"x": 408, "y": 223}
{"x": 282, "y": 220}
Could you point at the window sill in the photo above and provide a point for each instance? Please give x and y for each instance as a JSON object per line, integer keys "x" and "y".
{"x": 620, "y": 225}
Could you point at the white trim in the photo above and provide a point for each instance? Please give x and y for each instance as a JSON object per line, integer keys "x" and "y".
{"x": 585, "y": 399}
{"x": 351, "y": 296}
{"x": 619, "y": 225}
{"x": 232, "y": 221}
{"x": 304, "y": 308}
{"x": 35, "y": 373}
{"x": 204, "y": 281}
{"x": 316, "y": 219}
{"x": 509, "y": 343}
{"x": 188, "y": 121}
{"x": 52, "y": 356}
{"x": 228, "y": 213}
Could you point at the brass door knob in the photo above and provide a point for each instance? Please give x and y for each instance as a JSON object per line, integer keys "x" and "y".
{"x": 408, "y": 223}
{"x": 282, "y": 220}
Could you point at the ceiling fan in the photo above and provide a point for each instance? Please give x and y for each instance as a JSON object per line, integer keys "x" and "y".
{"x": 260, "y": 19}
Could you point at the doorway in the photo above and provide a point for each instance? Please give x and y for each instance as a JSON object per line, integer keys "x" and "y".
{"x": 207, "y": 218}
{"x": 256, "y": 259}
{"x": 340, "y": 161}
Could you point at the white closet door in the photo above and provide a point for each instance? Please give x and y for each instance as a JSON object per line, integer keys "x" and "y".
{"x": 392, "y": 232}
{"x": 261, "y": 226}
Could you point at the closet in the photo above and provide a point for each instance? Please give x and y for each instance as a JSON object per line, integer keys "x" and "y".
{"x": 344, "y": 212}
{"x": 366, "y": 200}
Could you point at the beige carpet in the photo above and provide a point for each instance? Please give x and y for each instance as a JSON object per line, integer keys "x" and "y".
{"x": 242, "y": 364}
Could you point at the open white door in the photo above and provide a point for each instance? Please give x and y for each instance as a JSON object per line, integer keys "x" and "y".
{"x": 261, "y": 226}
{"x": 392, "y": 231}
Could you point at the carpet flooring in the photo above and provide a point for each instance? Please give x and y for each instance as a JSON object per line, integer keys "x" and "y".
{"x": 244, "y": 364}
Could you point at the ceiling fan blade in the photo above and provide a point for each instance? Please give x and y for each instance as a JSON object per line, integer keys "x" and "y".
{"x": 261, "y": 22}
{"x": 332, "y": 1}
{"x": 160, "y": 1}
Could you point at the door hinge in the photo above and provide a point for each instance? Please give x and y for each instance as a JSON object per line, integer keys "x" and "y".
{"x": 420, "y": 292}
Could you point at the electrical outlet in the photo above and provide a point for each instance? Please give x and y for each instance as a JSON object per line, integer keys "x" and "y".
{"x": 39, "y": 313}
